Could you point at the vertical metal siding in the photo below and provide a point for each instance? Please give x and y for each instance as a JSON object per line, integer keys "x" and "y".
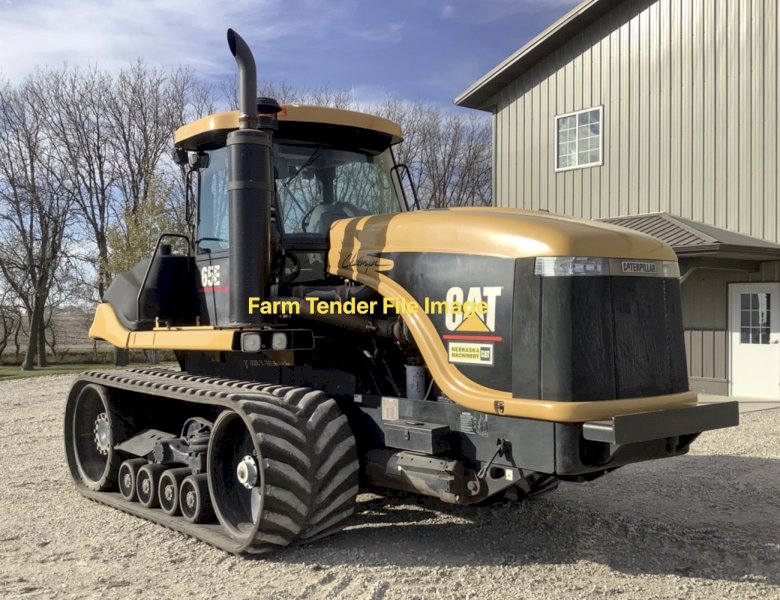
{"x": 705, "y": 315}
{"x": 690, "y": 96}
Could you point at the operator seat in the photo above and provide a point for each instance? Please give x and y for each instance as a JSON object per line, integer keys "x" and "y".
{"x": 323, "y": 216}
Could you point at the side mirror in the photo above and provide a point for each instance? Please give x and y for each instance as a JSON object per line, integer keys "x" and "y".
{"x": 198, "y": 161}
{"x": 180, "y": 156}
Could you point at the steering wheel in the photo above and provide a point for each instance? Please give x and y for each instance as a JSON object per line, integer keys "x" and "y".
{"x": 352, "y": 210}
{"x": 293, "y": 275}
{"x": 306, "y": 217}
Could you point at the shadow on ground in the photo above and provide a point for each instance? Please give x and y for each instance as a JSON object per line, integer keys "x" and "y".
{"x": 713, "y": 517}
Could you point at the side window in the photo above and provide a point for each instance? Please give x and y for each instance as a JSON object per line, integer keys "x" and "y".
{"x": 579, "y": 139}
{"x": 364, "y": 186}
{"x": 213, "y": 223}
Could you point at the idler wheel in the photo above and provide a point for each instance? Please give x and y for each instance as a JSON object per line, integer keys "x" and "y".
{"x": 92, "y": 429}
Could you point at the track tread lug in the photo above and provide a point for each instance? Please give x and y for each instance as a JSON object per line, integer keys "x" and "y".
{"x": 309, "y": 455}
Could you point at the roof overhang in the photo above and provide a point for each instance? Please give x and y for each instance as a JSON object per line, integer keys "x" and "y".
{"x": 482, "y": 93}
{"x": 692, "y": 241}
{"x": 729, "y": 252}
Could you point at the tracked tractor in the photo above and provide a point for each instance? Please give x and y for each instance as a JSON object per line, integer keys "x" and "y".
{"x": 330, "y": 335}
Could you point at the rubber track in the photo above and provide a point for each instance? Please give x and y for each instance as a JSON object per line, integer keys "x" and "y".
{"x": 309, "y": 456}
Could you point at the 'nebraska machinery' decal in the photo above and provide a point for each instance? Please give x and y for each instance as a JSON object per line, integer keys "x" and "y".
{"x": 468, "y": 299}
{"x": 466, "y": 345}
{"x": 465, "y": 353}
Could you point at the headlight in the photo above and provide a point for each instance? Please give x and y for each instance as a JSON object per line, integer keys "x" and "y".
{"x": 250, "y": 342}
{"x": 565, "y": 266}
{"x": 279, "y": 341}
{"x": 570, "y": 266}
{"x": 671, "y": 268}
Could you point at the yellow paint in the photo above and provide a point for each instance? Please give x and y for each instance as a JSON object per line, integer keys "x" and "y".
{"x": 501, "y": 232}
{"x": 472, "y": 395}
{"x": 106, "y": 326}
{"x": 507, "y": 233}
{"x": 215, "y": 127}
{"x": 473, "y": 323}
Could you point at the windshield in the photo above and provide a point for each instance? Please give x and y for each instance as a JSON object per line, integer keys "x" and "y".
{"x": 315, "y": 186}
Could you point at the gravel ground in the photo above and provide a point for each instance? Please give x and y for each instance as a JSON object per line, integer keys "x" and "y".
{"x": 703, "y": 525}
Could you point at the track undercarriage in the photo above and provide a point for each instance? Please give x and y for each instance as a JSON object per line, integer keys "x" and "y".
{"x": 263, "y": 466}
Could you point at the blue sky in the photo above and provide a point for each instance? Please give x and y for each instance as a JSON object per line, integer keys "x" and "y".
{"x": 413, "y": 49}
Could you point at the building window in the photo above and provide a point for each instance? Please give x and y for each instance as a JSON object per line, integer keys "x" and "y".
{"x": 578, "y": 139}
{"x": 754, "y": 315}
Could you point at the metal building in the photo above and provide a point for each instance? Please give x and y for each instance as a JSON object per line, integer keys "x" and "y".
{"x": 661, "y": 116}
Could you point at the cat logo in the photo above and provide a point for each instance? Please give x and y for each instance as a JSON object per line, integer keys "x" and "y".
{"x": 470, "y": 320}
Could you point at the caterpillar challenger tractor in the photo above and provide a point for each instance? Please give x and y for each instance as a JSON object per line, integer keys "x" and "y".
{"x": 329, "y": 336}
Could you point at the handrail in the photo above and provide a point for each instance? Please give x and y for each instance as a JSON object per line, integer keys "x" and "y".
{"x": 397, "y": 168}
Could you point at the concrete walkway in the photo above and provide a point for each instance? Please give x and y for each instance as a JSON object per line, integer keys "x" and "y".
{"x": 746, "y": 405}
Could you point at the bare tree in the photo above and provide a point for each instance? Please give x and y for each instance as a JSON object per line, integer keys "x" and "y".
{"x": 34, "y": 208}
{"x": 78, "y": 104}
{"x": 112, "y": 133}
{"x": 147, "y": 105}
{"x": 448, "y": 153}
{"x": 288, "y": 93}
{"x": 10, "y": 319}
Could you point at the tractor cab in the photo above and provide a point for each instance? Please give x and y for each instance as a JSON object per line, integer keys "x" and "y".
{"x": 328, "y": 164}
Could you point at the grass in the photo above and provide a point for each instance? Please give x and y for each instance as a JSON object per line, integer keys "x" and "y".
{"x": 14, "y": 372}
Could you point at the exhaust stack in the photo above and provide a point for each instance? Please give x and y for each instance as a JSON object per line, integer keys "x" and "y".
{"x": 247, "y": 80}
{"x": 250, "y": 193}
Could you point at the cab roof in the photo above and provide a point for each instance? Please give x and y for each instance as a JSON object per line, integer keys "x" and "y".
{"x": 217, "y": 126}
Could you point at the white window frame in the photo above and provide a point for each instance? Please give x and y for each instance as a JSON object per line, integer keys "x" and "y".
{"x": 576, "y": 113}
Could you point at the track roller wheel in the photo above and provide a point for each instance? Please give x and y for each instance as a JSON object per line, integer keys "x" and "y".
{"x": 128, "y": 472}
{"x": 168, "y": 489}
{"x": 146, "y": 484}
{"x": 92, "y": 429}
{"x": 194, "y": 499}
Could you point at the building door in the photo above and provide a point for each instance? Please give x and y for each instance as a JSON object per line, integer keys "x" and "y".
{"x": 754, "y": 325}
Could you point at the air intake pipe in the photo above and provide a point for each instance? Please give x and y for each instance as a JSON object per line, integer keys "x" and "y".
{"x": 250, "y": 194}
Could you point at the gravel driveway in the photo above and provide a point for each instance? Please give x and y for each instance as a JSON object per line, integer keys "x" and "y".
{"x": 703, "y": 525}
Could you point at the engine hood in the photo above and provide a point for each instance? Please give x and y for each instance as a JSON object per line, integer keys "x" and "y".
{"x": 485, "y": 231}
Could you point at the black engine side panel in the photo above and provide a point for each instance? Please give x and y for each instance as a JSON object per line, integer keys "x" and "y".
{"x": 553, "y": 338}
